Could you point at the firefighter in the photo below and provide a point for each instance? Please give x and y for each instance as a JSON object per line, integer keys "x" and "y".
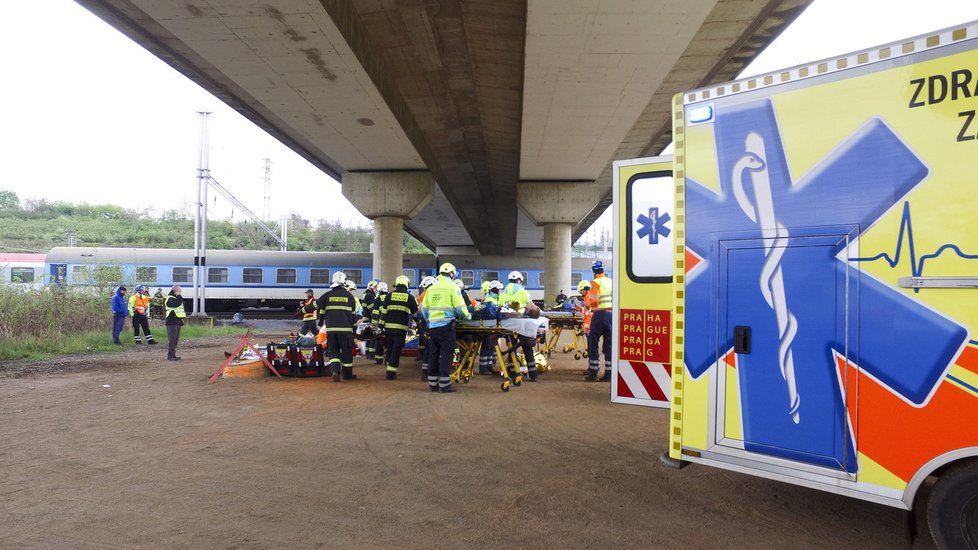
{"x": 338, "y": 306}
{"x": 139, "y": 304}
{"x": 398, "y": 308}
{"x": 375, "y": 316}
{"x": 369, "y": 299}
{"x": 441, "y": 307}
{"x": 309, "y": 314}
{"x": 423, "y": 339}
{"x": 514, "y": 294}
{"x": 465, "y": 295}
{"x": 156, "y": 304}
{"x": 175, "y": 314}
{"x": 598, "y": 300}
{"x": 351, "y": 286}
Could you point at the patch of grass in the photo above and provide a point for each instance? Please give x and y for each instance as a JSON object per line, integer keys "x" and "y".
{"x": 35, "y": 349}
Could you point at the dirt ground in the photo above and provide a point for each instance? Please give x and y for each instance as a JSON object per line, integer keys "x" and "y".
{"x": 129, "y": 450}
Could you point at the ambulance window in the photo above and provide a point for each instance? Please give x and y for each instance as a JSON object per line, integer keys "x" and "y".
{"x": 251, "y": 275}
{"x": 285, "y": 276}
{"x": 318, "y": 276}
{"x": 468, "y": 277}
{"x": 145, "y": 274}
{"x": 182, "y": 274}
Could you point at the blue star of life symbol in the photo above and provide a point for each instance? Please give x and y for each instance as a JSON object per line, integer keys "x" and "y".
{"x": 806, "y": 305}
{"x": 653, "y": 225}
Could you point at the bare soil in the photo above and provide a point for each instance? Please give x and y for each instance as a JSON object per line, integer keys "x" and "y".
{"x": 131, "y": 451}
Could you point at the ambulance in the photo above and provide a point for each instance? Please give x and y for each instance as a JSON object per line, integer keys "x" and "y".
{"x": 799, "y": 284}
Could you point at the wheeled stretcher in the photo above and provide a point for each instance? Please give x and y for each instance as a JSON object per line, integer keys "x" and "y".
{"x": 470, "y": 336}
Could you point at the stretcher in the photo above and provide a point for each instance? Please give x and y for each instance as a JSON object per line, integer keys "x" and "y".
{"x": 560, "y": 320}
{"x": 470, "y": 335}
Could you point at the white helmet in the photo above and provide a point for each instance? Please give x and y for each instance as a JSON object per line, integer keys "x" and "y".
{"x": 381, "y": 287}
{"x": 515, "y": 276}
{"x": 339, "y": 278}
{"x": 350, "y": 285}
{"x": 459, "y": 284}
{"x": 427, "y": 281}
{"x": 495, "y": 285}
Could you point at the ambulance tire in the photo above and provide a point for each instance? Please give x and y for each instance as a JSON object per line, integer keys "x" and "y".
{"x": 952, "y": 509}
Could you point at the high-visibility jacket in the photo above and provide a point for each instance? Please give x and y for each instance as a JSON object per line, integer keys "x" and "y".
{"x": 443, "y": 303}
{"x": 138, "y": 303}
{"x": 174, "y": 305}
{"x": 514, "y": 292}
{"x": 599, "y": 297}
{"x": 397, "y": 309}
{"x": 309, "y": 309}
{"x": 338, "y": 306}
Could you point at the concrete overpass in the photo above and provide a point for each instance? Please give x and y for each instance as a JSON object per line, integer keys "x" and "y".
{"x": 482, "y": 126}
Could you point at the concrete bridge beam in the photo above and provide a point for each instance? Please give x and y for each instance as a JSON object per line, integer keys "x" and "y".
{"x": 389, "y": 198}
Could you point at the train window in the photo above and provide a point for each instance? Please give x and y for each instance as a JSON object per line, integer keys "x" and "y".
{"x": 355, "y": 275}
{"x": 21, "y": 274}
{"x": 217, "y": 274}
{"x": 424, "y": 273}
{"x": 145, "y": 274}
{"x": 318, "y": 276}
{"x": 80, "y": 274}
{"x": 539, "y": 279}
{"x": 468, "y": 277}
{"x": 251, "y": 275}
{"x": 526, "y": 278}
{"x": 183, "y": 274}
{"x": 108, "y": 274}
{"x": 490, "y": 276}
{"x": 576, "y": 277}
{"x": 285, "y": 276}
{"x": 409, "y": 273}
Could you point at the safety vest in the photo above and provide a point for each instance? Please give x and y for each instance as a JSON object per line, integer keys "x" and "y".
{"x": 138, "y": 303}
{"x": 443, "y": 303}
{"x": 604, "y": 288}
{"x": 177, "y": 311}
{"x": 309, "y": 310}
{"x": 514, "y": 293}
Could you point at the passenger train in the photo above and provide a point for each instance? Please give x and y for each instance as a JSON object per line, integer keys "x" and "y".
{"x": 26, "y": 270}
{"x": 250, "y": 278}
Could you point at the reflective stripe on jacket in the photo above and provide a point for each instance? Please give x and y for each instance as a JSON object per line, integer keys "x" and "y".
{"x": 443, "y": 303}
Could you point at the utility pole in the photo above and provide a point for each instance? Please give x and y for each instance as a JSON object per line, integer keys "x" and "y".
{"x": 200, "y": 219}
{"x": 267, "y": 214}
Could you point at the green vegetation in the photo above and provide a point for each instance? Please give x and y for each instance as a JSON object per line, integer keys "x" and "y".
{"x": 38, "y": 225}
{"x": 58, "y": 321}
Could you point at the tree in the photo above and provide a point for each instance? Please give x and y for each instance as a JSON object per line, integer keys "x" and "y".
{"x": 9, "y": 200}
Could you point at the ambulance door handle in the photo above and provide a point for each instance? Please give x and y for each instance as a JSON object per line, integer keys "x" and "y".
{"x": 742, "y": 340}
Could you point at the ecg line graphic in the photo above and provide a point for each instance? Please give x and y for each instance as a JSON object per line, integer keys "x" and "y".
{"x": 916, "y": 267}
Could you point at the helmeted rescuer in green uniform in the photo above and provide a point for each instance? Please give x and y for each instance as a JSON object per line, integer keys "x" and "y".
{"x": 441, "y": 307}
{"x": 397, "y": 310}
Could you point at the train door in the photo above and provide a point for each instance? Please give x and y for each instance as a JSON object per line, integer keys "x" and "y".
{"x": 59, "y": 273}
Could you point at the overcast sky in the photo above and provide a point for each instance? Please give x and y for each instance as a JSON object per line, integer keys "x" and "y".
{"x": 89, "y": 116}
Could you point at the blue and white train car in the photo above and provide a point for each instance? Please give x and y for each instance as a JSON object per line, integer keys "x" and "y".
{"x": 22, "y": 269}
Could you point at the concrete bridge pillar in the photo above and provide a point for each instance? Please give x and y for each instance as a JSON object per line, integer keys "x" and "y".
{"x": 557, "y": 206}
{"x": 388, "y": 198}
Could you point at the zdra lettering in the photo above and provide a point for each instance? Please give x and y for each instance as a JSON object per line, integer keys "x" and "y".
{"x": 937, "y": 88}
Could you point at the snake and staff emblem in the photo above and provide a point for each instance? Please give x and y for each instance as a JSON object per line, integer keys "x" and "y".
{"x": 761, "y": 212}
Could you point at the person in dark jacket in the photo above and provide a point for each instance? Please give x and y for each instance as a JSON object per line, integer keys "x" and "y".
{"x": 175, "y": 315}
{"x": 338, "y": 307}
{"x": 120, "y": 310}
{"x": 398, "y": 309}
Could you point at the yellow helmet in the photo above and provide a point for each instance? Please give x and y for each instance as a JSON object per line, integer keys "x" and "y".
{"x": 484, "y": 286}
{"x": 584, "y": 284}
{"x": 402, "y": 280}
{"x": 446, "y": 268}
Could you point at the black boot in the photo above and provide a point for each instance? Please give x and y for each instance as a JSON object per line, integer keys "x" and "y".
{"x": 446, "y": 389}
{"x": 348, "y": 374}
{"x": 591, "y": 376}
{"x": 390, "y": 375}
{"x": 606, "y": 377}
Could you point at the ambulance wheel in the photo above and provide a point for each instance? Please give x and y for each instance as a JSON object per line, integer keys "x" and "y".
{"x": 505, "y": 385}
{"x": 577, "y": 356}
{"x": 584, "y": 355}
{"x": 952, "y": 509}
{"x": 518, "y": 381}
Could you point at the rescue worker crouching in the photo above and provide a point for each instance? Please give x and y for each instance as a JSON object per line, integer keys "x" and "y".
{"x": 396, "y": 312}
{"x": 441, "y": 307}
{"x": 139, "y": 309}
{"x": 309, "y": 314}
{"x": 599, "y": 300}
{"x": 338, "y": 306}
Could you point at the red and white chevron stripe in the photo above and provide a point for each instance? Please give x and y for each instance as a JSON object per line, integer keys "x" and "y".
{"x": 640, "y": 383}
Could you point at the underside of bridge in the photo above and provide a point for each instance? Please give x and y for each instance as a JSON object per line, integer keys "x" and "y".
{"x": 509, "y": 111}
